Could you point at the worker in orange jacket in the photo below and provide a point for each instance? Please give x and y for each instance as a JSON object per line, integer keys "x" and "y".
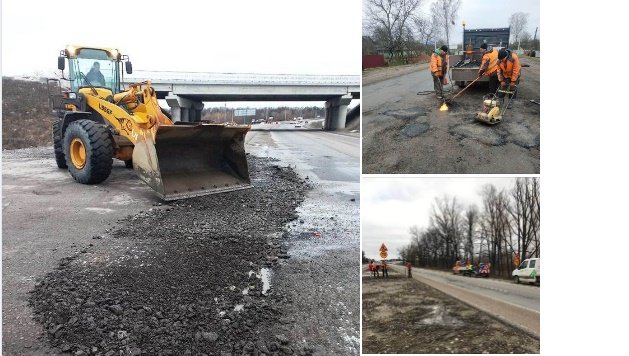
{"x": 385, "y": 271}
{"x": 409, "y": 266}
{"x": 372, "y": 269}
{"x": 489, "y": 66}
{"x": 439, "y": 68}
{"x": 508, "y": 70}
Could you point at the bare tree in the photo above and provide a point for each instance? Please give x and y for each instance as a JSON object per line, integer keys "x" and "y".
{"x": 518, "y": 22}
{"x": 471, "y": 220}
{"x": 507, "y": 222}
{"x": 497, "y": 222}
{"x": 389, "y": 22}
{"x": 446, "y": 13}
{"x": 523, "y": 221}
{"x": 446, "y": 219}
{"x": 427, "y": 28}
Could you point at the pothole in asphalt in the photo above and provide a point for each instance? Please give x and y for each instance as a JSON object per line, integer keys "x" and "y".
{"x": 477, "y": 131}
{"x": 406, "y": 114}
{"x": 414, "y": 129}
{"x": 521, "y": 135}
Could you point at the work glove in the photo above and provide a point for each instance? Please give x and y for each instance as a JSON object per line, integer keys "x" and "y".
{"x": 503, "y": 85}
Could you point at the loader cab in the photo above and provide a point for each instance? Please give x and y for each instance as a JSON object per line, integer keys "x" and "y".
{"x": 97, "y": 67}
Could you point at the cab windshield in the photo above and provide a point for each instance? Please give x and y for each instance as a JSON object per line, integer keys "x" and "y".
{"x": 94, "y": 67}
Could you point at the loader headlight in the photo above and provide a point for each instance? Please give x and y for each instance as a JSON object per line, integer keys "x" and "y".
{"x": 71, "y": 95}
{"x": 114, "y": 54}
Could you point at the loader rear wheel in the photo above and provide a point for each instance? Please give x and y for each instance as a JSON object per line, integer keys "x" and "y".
{"x": 88, "y": 150}
{"x": 57, "y": 142}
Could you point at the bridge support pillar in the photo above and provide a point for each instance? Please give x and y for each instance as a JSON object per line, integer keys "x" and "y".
{"x": 195, "y": 111}
{"x": 336, "y": 112}
{"x": 183, "y": 109}
{"x": 185, "y": 117}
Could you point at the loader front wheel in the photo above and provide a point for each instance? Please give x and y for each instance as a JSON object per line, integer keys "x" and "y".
{"x": 57, "y": 142}
{"x": 88, "y": 150}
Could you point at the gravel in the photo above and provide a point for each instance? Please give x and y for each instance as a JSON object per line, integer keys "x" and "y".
{"x": 182, "y": 278}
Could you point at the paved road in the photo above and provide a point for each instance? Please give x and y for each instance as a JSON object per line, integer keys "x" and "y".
{"x": 46, "y": 216}
{"x": 393, "y": 90}
{"x": 526, "y": 296}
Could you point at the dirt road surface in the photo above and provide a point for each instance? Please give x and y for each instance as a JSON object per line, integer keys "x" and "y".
{"x": 510, "y": 303}
{"x": 403, "y": 315}
{"x": 171, "y": 279}
{"x": 406, "y": 133}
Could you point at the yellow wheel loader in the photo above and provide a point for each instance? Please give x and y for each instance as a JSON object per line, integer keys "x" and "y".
{"x": 98, "y": 120}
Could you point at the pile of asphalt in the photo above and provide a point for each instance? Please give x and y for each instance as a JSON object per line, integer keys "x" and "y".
{"x": 180, "y": 279}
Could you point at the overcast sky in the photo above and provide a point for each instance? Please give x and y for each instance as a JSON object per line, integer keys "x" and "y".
{"x": 294, "y": 37}
{"x": 390, "y": 206}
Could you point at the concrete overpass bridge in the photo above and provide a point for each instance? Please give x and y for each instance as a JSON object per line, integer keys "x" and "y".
{"x": 185, "y": 92}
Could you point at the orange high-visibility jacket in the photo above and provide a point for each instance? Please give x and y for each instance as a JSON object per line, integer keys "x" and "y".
{"x": 509, "y": 68}
{"x": 436, "y": 65}
{"x": 489, "y": 63}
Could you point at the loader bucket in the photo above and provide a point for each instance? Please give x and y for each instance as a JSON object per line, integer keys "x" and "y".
{"x": 193, "y": 160}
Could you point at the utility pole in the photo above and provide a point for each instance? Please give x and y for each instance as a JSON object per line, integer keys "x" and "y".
{"x": 535, "y": 37}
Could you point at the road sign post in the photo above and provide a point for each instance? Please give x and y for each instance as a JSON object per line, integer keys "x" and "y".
{"x": 384, "y": 252}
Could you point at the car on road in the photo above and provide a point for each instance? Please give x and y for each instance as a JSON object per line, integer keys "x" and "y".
{"x": 527, "y": 272}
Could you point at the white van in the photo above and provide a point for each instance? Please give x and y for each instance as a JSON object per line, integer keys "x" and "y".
{"x": 528, "y": 271}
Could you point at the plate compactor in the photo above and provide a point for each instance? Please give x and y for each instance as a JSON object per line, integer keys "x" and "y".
{"x": 494, "y": 106}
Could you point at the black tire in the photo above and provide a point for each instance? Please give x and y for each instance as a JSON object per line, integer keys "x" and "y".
{"x": 128, "y": 163}
{"x": 516, "y": 279}
{"x": 99, "y": 151}
{"x": 57, "y": 142}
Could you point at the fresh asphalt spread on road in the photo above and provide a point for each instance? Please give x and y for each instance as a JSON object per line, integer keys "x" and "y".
{"x": 516, "y": 304}
{"x": 47, "y": 217}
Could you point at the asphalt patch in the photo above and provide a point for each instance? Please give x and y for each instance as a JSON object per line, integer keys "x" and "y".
{"x": 485, "y": 134}
{"x": 415, "y": 129}
{"x": 521, "y": 135}
{"x": 407, "y": 114}
{"x": 180, "y": 279}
